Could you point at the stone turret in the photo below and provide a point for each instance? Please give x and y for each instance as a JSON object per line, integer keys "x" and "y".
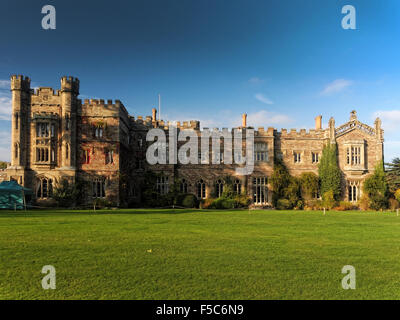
{"x": 69, "y": 93}
{"x": 20, "y": 88}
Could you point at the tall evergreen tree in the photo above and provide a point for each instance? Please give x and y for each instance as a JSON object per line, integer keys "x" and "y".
{"x": 393, "y": 174}
{"x": 329, "y": 171}
{"x": 376, "y": 188}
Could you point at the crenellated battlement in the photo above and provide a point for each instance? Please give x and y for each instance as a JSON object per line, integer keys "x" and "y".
{"x": 70, "y": 84}
{"x": 262, "y": 132}
{"x": 101, "y": 102}
{"x": 302, "y": 133}
{"x": 45, "y": 91}
{"x": 20, "y": 82}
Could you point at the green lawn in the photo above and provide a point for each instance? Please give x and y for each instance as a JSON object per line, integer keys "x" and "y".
{"x": 199, "y": 254}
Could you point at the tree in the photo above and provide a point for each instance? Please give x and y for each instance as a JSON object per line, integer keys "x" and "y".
{"x": 3, "y": 165}
{"x": 309, "y": 182}
{"x": 280, "y": 180}
{"x": 329, "y": 171}
{"x": 68, "y": 194}
{"x": 293, "y": 193}
{"x": 393, "y": 175}
{"x": 397, "y": 195}
{"x": 376, "y": 188}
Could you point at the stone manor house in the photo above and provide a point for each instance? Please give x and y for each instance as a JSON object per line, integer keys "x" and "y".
{"x": 56, "y": 135}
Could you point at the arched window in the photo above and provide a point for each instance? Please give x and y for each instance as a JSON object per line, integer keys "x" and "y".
{"x": 98, "y": 188}
{"x": 201, "y": 189}
{"x": 67, "y": 122}
{"x": 162, "y": 185}
{"x": 44, "y": 188}
{"x": 67, "y": 151}
{"x": 109, "y": 155}
{"x": 16, "y": 150}
{"x": 260, "y": 190}
{"x": 354, "y": 191}
{"x": 183, "y": 186}
{"x": 16, "y": 120}
{"x": 219, "y": 187}
{"x": 98, "y": 131}
{"x": 237, "y": 186}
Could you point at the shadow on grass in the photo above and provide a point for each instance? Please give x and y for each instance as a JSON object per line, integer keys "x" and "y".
{"x": 60, "y": 212}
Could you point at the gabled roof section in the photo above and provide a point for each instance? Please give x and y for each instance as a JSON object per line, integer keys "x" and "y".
{"x": 353, "y": 124}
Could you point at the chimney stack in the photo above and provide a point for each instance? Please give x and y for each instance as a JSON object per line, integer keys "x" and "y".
{"x": 318, "y": 123}
{"x": 244, "y": 120}
{"x": 154, "y": 116}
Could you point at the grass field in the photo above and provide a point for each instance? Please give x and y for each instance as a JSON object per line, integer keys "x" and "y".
{"x": 193, "y": 254}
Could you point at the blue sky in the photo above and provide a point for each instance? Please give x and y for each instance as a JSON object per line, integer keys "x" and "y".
{"x": 281, "y": 61}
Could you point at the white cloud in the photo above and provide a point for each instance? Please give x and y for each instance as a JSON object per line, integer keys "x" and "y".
{"x": 5, "y": 84}
{"x": 392, "y": 150}
{"x": 228, "y": 119}
{"x": 263, "y": 99}
{"x": 5, "y": 145}
{"x": 336, "y": 86}
{"x": 390, "y": 119}
{"x": 5, "y": 108}
{"x": 265, "y": 118}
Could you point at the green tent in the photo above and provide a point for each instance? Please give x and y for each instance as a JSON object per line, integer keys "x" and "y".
{"x": 14, "y": 196}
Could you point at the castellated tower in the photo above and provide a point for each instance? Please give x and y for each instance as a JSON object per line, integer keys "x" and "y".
{"x": 20, "y": 88}
{"x": 69, "y": 99}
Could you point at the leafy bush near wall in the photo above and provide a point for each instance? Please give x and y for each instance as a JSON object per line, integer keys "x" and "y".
{"x": 346, "y": 206}
{"x": 280, "y": 180}
{"x": 314, "y": 204}
{"x": 376, "y": 188}
{"x": 394, "y": 204}
{"x": 293, "y": 194}
{"x": 309, "y": 183}
{"x": 69, "y": 194}
{"x": 329, "y": 200}
{"x": 284, "y": 204}
{"x": 189, "y": 201}
{"x": 397, "y": 195}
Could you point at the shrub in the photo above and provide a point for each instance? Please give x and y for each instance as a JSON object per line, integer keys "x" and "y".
{"x": 314, "y": 204}
{"x": 309, "y": 182}
{"x": 363, "y": 203}
{"x": 206, "y": 203}
{"x": 242, "y": 201}
{"x": 378, "y": 201}
{"x": 280, "y": 180}
{"x": 394, "y": 204}
{"x": 101, "y": 203}
{"x": 345, "y": 206}
{"x": 222, "y": 203}
{"x": 375, "y": 186}
{"x": 284, "y": 204}
{"x": 293, "y": 191}
{"x": 190, "y": 201}
{"x": 328, "y": 199}
{"x": 68, "y": 194}
{"x": 397, "y": 195}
